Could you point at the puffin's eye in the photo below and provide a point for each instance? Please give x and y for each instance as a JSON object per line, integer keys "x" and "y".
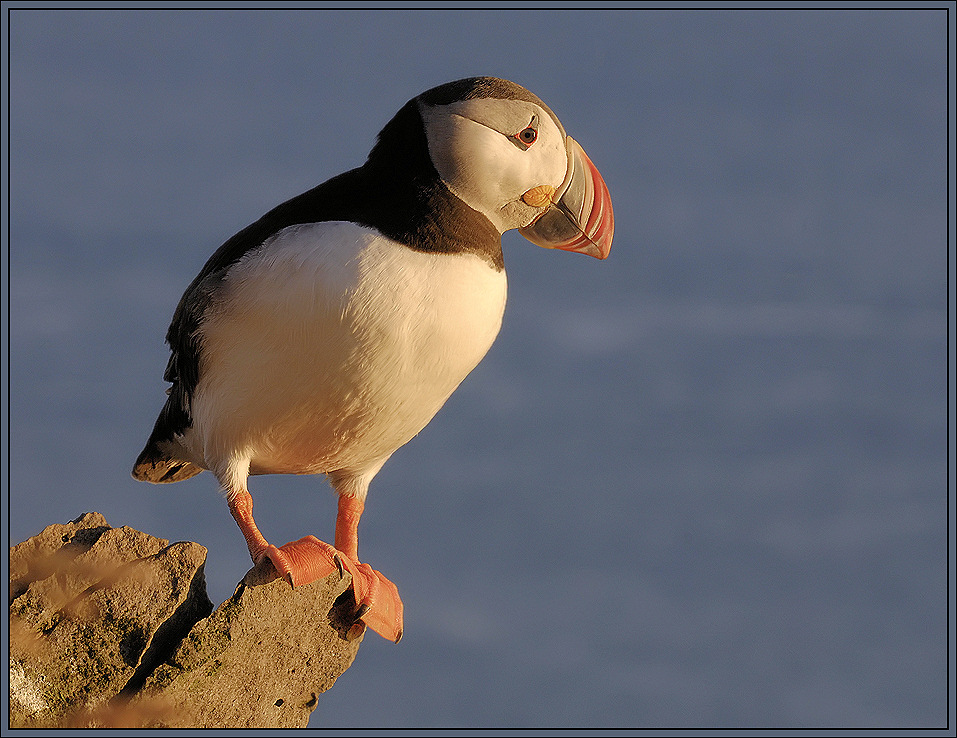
{"x": 525, "y": 138}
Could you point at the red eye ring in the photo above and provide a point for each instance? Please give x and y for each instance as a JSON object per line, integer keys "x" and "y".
{"x": 527, "y": 136}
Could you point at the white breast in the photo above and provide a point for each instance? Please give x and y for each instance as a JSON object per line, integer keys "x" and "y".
{"x": 331, "y": 346}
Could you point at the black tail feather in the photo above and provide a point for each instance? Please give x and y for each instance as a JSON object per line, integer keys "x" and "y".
{"x": 156, "y": 463}
{"x": 153, "y": 465}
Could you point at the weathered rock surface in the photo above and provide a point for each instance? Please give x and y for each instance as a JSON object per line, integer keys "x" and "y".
{"x": 111, "y": 627}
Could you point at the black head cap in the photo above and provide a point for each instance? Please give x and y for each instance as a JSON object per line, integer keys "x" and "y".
{"x": 472, "y": 88}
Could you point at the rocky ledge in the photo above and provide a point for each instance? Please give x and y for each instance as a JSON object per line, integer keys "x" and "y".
{"x": 111, "y": 627}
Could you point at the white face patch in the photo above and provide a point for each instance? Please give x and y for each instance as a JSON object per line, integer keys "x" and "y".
{"x": 477, "y": 151}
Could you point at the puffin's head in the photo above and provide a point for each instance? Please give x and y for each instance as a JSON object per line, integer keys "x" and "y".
{"x": 504, "y": 153}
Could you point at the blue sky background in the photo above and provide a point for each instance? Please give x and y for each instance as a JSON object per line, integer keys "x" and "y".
{"x": 701, "y": 484}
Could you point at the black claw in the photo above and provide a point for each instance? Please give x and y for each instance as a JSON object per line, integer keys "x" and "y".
{"x": 356, "y": 630}
{"x": 398, "y": 637}
{"x": 339, "y": 566}
{"x": 361, "y": 610}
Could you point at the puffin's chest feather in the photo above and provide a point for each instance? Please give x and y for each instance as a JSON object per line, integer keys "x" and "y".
{"x": 338, "y": 280}
{"x": 334, "y": 323}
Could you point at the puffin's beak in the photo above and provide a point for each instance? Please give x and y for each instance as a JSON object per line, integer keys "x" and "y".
{"x": 579, "y": 217}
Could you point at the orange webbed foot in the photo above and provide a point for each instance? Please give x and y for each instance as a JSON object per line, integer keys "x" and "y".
{"x": 303, "y": 561}
{"x": 379, "y": 605}
{"x": 308, "y": 559}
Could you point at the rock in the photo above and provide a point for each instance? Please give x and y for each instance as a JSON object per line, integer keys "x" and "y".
{"x": 111, "y": 627}
{"x": 91, "y": 605}
{"x": 265, "y": 663}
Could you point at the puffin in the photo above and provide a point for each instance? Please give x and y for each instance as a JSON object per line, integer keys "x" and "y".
{"x": 325, "y": 335}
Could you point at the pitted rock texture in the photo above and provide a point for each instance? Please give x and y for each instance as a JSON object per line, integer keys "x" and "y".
{"x": 111, "y": 627}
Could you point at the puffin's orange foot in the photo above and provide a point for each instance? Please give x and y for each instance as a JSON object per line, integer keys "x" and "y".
{"x": 303, "y": 561}
{"x": 377, "y": 599}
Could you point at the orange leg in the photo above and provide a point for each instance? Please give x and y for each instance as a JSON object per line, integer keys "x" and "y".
{"x": 377, "y": 597}
{"x": 347, "y": 525}
{"x": 309, "y": 559}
